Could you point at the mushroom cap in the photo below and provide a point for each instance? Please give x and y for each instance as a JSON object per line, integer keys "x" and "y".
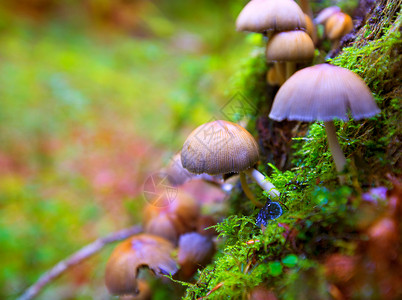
{"x": 195, "y": 250}
{"x": 310, "y": 28}
{"x": 161, "y": 225}
{"x": 265, "y": 15}
{"x": 177, "y": 174}
{"x": 322, "y": 93}
{"x": 219, "y": 147}
{"x": 338, "y": 25}
{"x": 133, "y": 253}
{"x": 290, "y": 46}
{"x": 180, "y": 216}
{"x": 323, "y": 16}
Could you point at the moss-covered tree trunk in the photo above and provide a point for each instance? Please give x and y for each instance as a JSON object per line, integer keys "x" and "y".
{"x": 333, "y": 241}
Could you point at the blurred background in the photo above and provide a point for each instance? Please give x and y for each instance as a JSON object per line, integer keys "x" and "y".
{"x": 95, "y": 95}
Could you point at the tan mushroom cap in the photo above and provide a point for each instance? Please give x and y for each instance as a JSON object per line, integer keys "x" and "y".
{"x": 323, "y": 92}
{"x": 338, "y": 25}
{"x": 266, "y": 15}
{"x": 180, "y": 216}
{"x": 219, "y": 147}
{"x": 292, "y": 46}
{"x": 310, "y": 28}
{"x": 133, "y": 253}
{"x": 323, "y": 16}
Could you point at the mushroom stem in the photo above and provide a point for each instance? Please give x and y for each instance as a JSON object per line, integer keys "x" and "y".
{"x": 281, "y": 73}
{"x": 337, "y": 153}
{"x": 335, "y": 44}
{"x": 262, "y": 182}
{"x": 290, "y": 69}
{"x": 247, "y": 190}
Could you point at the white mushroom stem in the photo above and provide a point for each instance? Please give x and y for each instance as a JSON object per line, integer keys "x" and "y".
{"x": 337, "y": 153}
{"x": 247, "y": 190}
{"x": 290, "y": 69}
{"x": 262, "y": 182}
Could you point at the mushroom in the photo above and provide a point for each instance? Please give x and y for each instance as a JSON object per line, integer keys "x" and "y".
{"x": 323, "y": 16}
{"x": 338, "y": 25}
{"x": 195, "y": 251}
{"x": 180, "y": 216}
{"x": 310, "y": 29}
{"x": 128, "y": 257}
{"x": 306, "y": 7}
{"x": 270, "y": 15}
{"x": 144, "y": 292}
{"x": 261, "y": 293}
{"x": 177, "y": 175}
{"x": 323, "y": 93}
{"x": 222, "y": 147}
{"x": 290, "y": 47}
{"x": 273, "y": 77}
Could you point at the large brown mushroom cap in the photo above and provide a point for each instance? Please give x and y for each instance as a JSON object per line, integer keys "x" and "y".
{"x": 292, "y": 46}
{"x": 323, "y": 92}
{"x": 219, "y": 147}
{"x": 265, "y": 15}
{"x": 143, "y": 250}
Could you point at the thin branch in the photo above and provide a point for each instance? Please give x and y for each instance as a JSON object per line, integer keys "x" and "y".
{"x": 77, "y": 257}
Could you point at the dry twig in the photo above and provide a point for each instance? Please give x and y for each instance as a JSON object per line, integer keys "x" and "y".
{"x": 77, "y": 257}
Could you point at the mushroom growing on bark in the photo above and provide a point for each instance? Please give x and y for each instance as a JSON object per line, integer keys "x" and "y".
{"x": 323, "y": 93}
{"x": 128, "y": 257}
{"x": 290, "y": 47}
{"x": 338, "y": 25}
{"x": 270, "y": 15}
{"x": 323, "y": 16}
{"x": 222, "y": 147}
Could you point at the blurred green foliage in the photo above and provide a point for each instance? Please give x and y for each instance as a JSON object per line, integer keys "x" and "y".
{"x": 91, "y": 94}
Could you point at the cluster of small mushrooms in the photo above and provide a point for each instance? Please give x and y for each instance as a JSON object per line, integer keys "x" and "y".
{"x": 220, "y": 148}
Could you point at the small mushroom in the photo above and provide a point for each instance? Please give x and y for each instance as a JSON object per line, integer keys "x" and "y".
{"x": 310, "y": 29}
{"x": 261, "y": 293}
{"x": 270, "y": 15}
{"x": 323, "y": 93}
{"x": 128, "y": 257}
{"x": 290, "y": 47}
{"x": 222, "y": 147}
{"x": 338, "y": 25}
{"x": 323, "y": 16}
{"x": 195, "y": 251}
{"x": 144, "y": 292}
{"x": 178, "y": 175}
{"x": 273, "y": 78}
{"x": 180, "y": 216}
{"x": 161, "y": 225}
